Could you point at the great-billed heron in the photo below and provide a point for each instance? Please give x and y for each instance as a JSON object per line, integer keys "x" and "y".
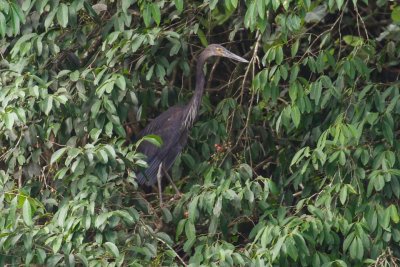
{"x": 173, "y": 125}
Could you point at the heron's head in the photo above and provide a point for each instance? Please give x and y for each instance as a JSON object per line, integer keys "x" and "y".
{"x": 220, "y": 51}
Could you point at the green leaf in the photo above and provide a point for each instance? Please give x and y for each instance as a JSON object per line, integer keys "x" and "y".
{"x": 379, "y": 182}
{"x": 277, "y": 248}
{"x": 110, "y": 152}
{"x": 109, "y": 128}
{"x": 156, "y": 13}
{"x": 167, "y": 216}
{"x": 25, "y": 5}
{"x": 294, "y": 72}
{"x": 266, "y": 237}
{"x": 339, "y": 3}
{"x": 95, "y": 108}
{"x": 166, "y": 238}
{"x": 193, "y": 209}
{"x": 316, "y": 15}
{"x": 160, "y": 72}
{"x": 353, "y": 40}
{"x": 354, "y": 248}
{"x": 106, "y": 86}
{"x": 150, "y": 73}
{"x": 99, "y": 76}
{"x": 62, "y": 215}
{"x": 50, "y": 17}
{"x": 57, "y": 155}
{"x": 394, "y": 213}
{"x": 249, "y": 16}
{"x": 304, "y": 152}
{"x": 41, "y": 255}
{"x": 316, "y": 91}
{"x": 125, "y": 215}
{"x": 218, "y": 207}
{"x": 153, "y": 139}
{"x": 120, "y": 82}
{"x": 284, "y": 72}
{"x": 190, "y": 230}
{"x": 48, "y": 105}
{"x": 360, "y": 251}
{"x": 180, "y": 227}
{"x": 294, "y": 48}
{"x": 101, "y": 219}
{"x": 15, "y": 22}
{"x": 279, "y": 55}
{"x": 234, "y": 3}
{"x": 9, "y": 120}
{"x": 349, "y": 239}
{"x": 260, "y": 7}
{"x": 74, "y": 76}
{"x": 342, "y": 158}
{"x": 102, "y": 156}
{"x": 27, "y": 212}
{"x": 111, "y": 247}
{"x": 175, "y": 49}
{"x": 62, "y": 15}
{"x": 137, "y": 42}
{"x": 238, "y": 259}
{"x": 54, "y": 260}
{"x": 384, "y": 218}
{"x": 2, "y": 25}
{"x": 396, "y": 14}
{"x": 91, "y": 11}
{"x": 388, "y": 131}
{"x": 146, "y": 14}
{"x": 202, "y": 37}
{"x": 343, "y": 195}
{"x": 5, "y": 7}
{"x": 291, "y": 249}
{"x": 126, "y": 4}
{"x": 212, "y": 4}
{"x": 179, "y": 5}
{"x": 17, "y": 9}
{"x": 188, "y": 244}
{"x": 20, "y": 113}
{"x": 295, "y": 114}
{"x": 109, "y": 105}
{"x": 301, "y": 244}
{"x": 83, "y": 259}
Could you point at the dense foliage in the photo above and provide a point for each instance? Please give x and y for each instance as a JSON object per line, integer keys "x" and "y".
{"x": 295, "y": 159}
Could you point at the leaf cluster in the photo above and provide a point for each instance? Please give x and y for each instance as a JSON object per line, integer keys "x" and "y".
{"x": 293, "y": 161}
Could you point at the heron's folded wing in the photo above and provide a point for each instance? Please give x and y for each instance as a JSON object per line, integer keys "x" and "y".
{"x": 169, "y": 127}
{"x": 149, "y": 176}
{"x": 166, "y": 155}
{"x": 168, "y": 120}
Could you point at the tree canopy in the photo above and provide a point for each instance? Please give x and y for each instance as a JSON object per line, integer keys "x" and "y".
{"x": 294, "y": 160}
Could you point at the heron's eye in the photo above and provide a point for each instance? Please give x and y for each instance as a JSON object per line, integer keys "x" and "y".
{"x": 219, "y": 50}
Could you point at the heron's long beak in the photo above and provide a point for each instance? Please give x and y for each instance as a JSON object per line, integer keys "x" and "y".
{"x": 231, "y": 55}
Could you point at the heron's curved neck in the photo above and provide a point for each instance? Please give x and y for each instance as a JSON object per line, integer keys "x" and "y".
{"x": 194, "y": 104}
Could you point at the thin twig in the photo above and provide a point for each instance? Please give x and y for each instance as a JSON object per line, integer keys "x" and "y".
{"x": 253, "y": 60}
{"x": 339, "y": 19}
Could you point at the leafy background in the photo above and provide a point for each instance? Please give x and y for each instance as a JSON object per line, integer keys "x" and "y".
{"x": 293, "y": 161}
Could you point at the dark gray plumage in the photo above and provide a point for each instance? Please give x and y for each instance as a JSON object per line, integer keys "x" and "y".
{"x": 173, "y": 125}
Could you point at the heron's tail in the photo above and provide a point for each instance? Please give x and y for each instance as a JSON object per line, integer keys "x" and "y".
{"x": 143, "y": 179}
{"x": 148, "y": 177}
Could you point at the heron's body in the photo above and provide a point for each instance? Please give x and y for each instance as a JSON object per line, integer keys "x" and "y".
{"x": 173, "y": 125}
{"x": 168, "y": 127}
